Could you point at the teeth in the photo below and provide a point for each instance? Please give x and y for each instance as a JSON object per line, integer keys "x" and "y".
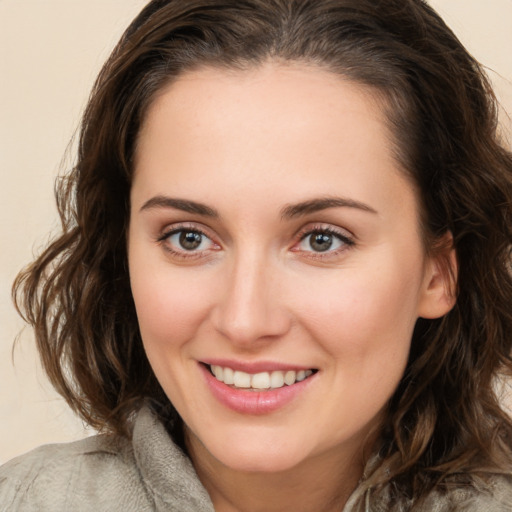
{"x": 290, "y": 377}
{"x": 262, "y": 380}
{"x": 229, "y": 375}
{"x": 218, "y": 372}
{"x": 241, "y": 380}
{"x": 276, "y": 380}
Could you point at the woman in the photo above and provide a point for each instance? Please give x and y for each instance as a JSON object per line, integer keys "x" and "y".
{"x": 283, "y": 281}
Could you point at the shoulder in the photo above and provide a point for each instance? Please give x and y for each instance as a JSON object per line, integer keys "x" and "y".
{"x": 56, "y": 477}
{"x": 490, "y": 494}
{"x": 494, "y": 494}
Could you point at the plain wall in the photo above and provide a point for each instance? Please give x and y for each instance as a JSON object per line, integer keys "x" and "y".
{"x": 50, "y": 52}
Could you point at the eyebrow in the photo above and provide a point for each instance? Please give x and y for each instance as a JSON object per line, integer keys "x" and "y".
{"x": 322, "y": 203}
{"x": 184, "y": 205}
{"x": 288, "y": 212}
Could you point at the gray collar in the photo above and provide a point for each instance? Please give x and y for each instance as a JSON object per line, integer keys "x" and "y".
{"x": 166, "y": 471}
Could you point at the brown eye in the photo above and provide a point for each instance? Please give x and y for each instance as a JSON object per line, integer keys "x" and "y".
{"x": 324, "y": 241}
{"x": 320, "y": 242}
{"x": 190, "y": 240}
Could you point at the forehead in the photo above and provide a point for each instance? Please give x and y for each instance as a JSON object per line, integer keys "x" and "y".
{"x": 293, "y": 94}
{"x": 263, "y": 127}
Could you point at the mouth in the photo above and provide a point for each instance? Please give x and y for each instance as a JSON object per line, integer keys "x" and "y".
{"x": 261, "y": 381}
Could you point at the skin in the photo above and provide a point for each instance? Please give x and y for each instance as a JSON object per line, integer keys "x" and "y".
{"x": 248, "y": 144}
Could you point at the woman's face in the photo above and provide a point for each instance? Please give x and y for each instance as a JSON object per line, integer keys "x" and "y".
{"x": 274, "y": 238}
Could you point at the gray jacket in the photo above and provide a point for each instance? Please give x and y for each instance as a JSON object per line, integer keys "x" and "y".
{"x": 150, "y": 473}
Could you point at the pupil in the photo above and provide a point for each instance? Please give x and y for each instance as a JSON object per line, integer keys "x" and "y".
{"x": 190, "y": 240}
{"x": 321, "y": 242}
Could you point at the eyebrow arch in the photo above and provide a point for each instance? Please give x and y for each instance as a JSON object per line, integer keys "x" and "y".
{"x": 322, "y": 203}
{"x": 179, "y": 204}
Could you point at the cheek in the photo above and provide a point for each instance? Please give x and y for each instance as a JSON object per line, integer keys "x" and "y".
{"x": 170, "y": 309}
{"x": 170, "y": 304}
{"x": 364, "y": 319}
{"x": 362, "y": 306}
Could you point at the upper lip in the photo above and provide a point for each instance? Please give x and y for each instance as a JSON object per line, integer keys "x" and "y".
{"x": 255, "y": 366}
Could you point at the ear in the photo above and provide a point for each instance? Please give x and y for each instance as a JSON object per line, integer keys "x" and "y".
{"x": 438, "y": 294}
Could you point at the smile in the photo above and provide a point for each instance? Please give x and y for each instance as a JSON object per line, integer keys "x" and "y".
{"x": 260, "y": 389}
{"x": 258, "y": 381}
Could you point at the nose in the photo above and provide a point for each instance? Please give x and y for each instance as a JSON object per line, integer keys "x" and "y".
{"x": 251, "y": 309}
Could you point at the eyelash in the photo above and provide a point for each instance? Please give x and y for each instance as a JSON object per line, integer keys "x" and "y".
{"x": 347, "y": 241}
{"x": 182, "y": 254}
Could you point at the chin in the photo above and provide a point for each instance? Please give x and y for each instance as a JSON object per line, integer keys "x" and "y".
{"x": 258, "y": 455}
{"x": 272, "y": 462}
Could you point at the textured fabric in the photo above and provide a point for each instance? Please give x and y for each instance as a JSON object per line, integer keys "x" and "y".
{"x": 496, "y": 497}
{"x": 105, "y": 473}
{"x": 149, "y": 473}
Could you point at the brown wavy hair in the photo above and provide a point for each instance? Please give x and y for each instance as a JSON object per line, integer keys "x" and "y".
{"x": 445, "y": 417}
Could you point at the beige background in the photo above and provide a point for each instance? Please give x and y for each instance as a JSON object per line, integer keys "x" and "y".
{"x": 50, "y": 52}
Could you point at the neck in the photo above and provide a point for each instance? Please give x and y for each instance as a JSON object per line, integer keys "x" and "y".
{"x": 320, "y": 484}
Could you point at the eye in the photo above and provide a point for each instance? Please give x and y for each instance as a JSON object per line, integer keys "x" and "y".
{"x": 183, "y": 241}
{"x": 188, "y": 240}
{"x": 324, "y": 241}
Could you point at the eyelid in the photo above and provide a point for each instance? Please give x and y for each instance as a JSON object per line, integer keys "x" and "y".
{"x": 175, "y": 227}
{"x": 178, "y": 227}
{"x": 345, "y": 236}
{"x": 343, "y": 233}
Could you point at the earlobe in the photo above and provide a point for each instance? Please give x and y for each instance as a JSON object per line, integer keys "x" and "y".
{"x": 439, "y": 292}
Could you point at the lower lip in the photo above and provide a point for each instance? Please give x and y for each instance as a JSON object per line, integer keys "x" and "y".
{"x": 254, "y": 402}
